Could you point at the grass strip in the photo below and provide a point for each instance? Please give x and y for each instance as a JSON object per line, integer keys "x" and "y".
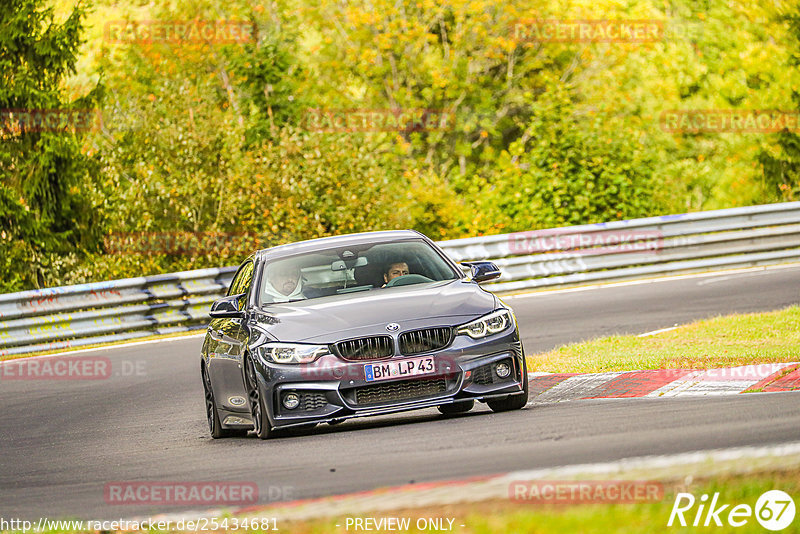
{"x": 726, "y": 341}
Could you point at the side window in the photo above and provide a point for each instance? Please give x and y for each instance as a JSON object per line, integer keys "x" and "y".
{"x": 241, "y": 281}
{"x": 235, "y": 282}
{"x": 244, "y": 284}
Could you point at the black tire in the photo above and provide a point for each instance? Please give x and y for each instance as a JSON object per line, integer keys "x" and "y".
{"x": 212, "y": 415}
{"x": 257, "y": 407}
{"x": 456, "y": 407}
{"x": 513, "y": 402}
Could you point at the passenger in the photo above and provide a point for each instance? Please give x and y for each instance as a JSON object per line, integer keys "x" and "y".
{"x": 393, "y": 270}
{"x": 284, "y": 283}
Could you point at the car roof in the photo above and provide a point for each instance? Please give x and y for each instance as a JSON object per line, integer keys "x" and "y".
{"x": 336, "y": 241}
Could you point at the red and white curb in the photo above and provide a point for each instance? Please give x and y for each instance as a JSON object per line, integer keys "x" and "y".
{"x": 557, "y": 387}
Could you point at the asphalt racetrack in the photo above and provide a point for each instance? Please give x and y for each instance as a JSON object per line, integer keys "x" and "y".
{"x": 62, "y": 441}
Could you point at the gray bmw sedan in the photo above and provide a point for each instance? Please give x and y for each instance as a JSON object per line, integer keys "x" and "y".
{"x": 357, "y": 325}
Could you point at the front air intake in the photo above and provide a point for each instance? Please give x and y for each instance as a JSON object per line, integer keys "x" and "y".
{"x": 366, "y": 348}
{"x": 427, "y": 340}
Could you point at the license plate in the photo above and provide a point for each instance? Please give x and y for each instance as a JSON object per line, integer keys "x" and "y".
{"x": 398, "y": 369}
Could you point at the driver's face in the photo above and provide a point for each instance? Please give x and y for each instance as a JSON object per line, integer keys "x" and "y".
{"x": 395, "y": 270}
{"x": 286, "y": 280}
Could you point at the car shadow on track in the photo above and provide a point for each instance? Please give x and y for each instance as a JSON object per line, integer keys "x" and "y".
{"x": 376, "y": 422}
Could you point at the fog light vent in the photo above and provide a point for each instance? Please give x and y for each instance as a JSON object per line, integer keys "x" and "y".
{"x": 502, "y": 369}
{"x": 291, "y": 401}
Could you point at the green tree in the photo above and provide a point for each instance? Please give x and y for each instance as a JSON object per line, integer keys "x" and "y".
{"x": 201, "y": 138}
{"x": 565, "y": 169}
{"x": 46, "y": 209}
{"x": 781, "y": 161}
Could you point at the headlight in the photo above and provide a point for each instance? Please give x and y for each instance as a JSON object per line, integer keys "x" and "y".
{"x": 487, "y": 325}
{"x": 292, "y": 352}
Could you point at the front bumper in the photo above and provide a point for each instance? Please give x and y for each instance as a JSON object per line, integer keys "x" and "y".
{"x": 331, "y": 389}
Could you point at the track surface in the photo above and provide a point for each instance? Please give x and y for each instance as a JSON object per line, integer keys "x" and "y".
{"x": 62, "y": 441}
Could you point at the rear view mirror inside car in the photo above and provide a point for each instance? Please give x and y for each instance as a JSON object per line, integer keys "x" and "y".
{"x": 341, "y": 265}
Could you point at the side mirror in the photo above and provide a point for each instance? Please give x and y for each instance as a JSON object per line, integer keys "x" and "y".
{"x": 226, "y": 307}
{"x": 482, "y": 271}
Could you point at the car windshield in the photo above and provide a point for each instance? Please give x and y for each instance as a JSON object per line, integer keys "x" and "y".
{"x": 355, "y": 268}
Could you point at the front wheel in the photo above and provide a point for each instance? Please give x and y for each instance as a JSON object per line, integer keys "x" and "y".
{"x": 513, "y": 402}
{"x": 257, "y": 407}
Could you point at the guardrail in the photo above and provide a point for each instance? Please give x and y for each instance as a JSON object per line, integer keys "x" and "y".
{"x": 84, "y": 314}
{"x": 71, "y": 316}
{"x": 621, "y": 250}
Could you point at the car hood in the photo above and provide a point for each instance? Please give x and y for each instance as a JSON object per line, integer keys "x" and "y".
{"x": 330, "y": 319}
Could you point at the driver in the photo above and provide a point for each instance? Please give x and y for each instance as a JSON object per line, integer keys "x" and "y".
{"x": 283, "y": 283}
{"x": 393, "y": 270}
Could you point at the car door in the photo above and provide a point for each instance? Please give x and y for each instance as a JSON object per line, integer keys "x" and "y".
{"x": 222, "y": 331}
{"x": 227, "y": 344}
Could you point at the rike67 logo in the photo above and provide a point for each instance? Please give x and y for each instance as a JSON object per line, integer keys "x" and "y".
{"x": 774, "y": 510}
